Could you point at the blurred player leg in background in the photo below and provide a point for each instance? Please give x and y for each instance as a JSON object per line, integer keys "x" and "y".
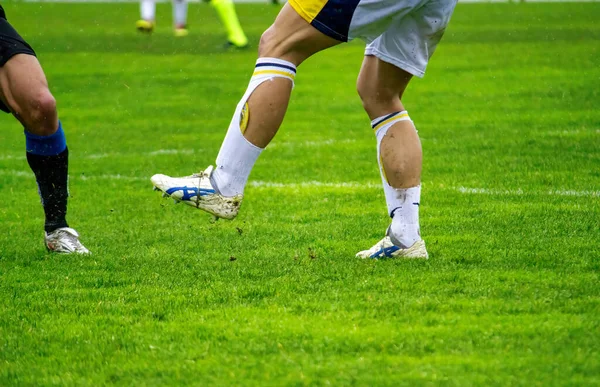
{"x": 180, "y": 10}
{"x": 148, "y": 16}
{"x": 24, "y": 93}
{"x": 406, "y": 36}
{"x": 226, "y": 11}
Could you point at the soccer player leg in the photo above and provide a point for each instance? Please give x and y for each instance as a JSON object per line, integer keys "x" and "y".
{"x": 24, "y": 90}
{"x": 258, "y": 116}
{"x": 380, "y": 86}
{"x": 180, "y": 9}
{"x": 391, "y": 60}
{"x": 148, "y": 15}
{"x": 226, "y": 11}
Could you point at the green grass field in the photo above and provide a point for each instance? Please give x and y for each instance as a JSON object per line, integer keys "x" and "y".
{"x": 510, "y": 124}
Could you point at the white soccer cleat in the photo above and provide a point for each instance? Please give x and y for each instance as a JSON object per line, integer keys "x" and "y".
{"x": 65, "y": 240}
{"x": 197, "y": 191}
{"x": 385, "y": 248}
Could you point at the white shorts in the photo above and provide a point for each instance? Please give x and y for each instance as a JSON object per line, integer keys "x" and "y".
{"x": 404, "y": 33}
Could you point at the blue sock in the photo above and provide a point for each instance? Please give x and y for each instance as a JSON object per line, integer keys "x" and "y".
{"x": 46, "y": 145}
{"x": 48, "y": 158}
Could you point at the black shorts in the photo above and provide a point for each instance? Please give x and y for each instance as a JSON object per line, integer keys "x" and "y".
{"x": 11, "y": 44}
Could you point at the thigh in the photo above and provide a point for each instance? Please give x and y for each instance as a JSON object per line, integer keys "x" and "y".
{"x": 412, "y": 37}
{"x": 292, "y": 37}
{"x": 22, "y": 80}
{"x": 12, "y": 48}
{"x": 380, "y": 75}
{"x": 381, "y": 86}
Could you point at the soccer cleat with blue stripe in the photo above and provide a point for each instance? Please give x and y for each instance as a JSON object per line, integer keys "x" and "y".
{"x": 197, "y": 191}
{"x": 385, "y": 248}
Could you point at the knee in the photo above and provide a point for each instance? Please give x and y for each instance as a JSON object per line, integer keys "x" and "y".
{"x": 376, "y": 98}
{"x": 291, "y": 47}
{"x": 41, "y": 116}
{"x": 268, "y": 44}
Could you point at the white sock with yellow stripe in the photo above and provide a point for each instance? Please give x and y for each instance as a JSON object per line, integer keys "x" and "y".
{"x": 238, "y": 155}
{"x": 402, "y": 203}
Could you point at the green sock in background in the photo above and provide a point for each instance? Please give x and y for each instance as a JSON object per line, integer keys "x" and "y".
{"x": 226, "y": 11}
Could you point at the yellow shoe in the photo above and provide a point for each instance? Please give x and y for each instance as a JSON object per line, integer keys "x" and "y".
{"x": 239, "y": 43}
{"x": 181, "y": 31}
{"x": 145, "y": 26}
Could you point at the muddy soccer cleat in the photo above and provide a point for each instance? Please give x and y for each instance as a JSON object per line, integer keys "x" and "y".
{"x": 65, "y": 240}
{"x": 197, "y": 191}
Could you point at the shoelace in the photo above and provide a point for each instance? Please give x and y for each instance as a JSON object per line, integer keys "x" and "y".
{"x": 199, "y": 174}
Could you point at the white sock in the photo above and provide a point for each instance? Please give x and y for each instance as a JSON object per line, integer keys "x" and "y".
{"x": 180, "y": 8}
{"x": 148, "y": 10}
{"x": 238, "y": 155}
{"x": 404, "y": 230}
{"x": 402, "y": 203}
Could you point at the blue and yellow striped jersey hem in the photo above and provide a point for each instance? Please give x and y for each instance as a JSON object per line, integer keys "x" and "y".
{"x": 331, "y": 17}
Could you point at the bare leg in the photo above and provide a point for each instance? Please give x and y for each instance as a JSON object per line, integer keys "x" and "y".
{"x": 24, "y": 89}
{"x": 292, "y": 39}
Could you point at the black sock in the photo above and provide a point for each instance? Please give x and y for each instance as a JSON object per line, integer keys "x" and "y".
{"x": 51, "y": 174}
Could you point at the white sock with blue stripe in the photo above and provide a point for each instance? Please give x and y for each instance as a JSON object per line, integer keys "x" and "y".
{"x": 237, "y": 155}
{"x": 402, "y": 203}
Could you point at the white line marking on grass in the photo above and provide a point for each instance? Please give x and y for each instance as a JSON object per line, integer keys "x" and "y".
{"x": 573, "y": 132}
{"x": 112, "y": 177}
{"x": 173, "y": 152}
{"x": 333, "y": 185}
{"x": 520, "y": 192}
{"x": 311, "y": 184}
{"x": 575, "y": 193}
{"x": 485, "y": 191}
{"x": 161, "y": 152}
{"x": 311, "y": 143}
{"x": 16, "y": 173}
{"x": 98, "y": 156}
{"x": 29, "y": 174}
